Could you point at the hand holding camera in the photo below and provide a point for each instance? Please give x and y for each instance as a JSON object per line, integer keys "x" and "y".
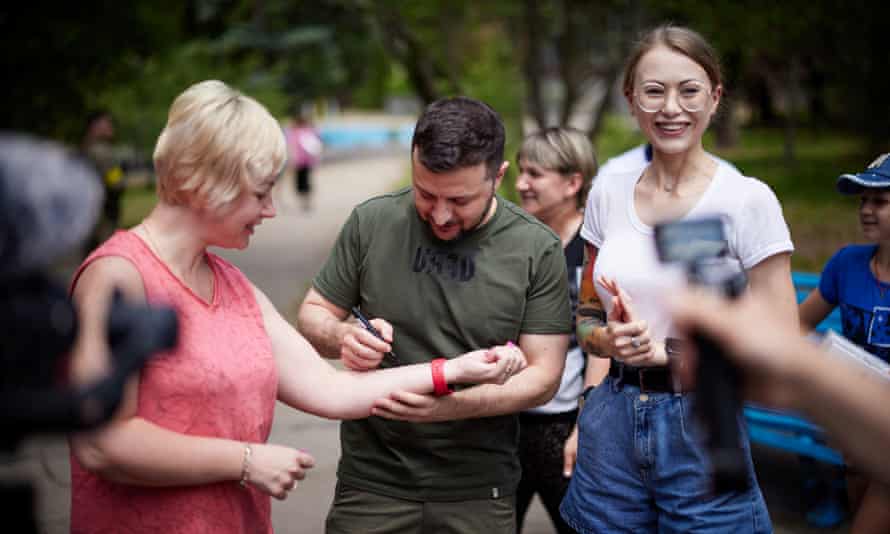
{"x": 700, "y": 246}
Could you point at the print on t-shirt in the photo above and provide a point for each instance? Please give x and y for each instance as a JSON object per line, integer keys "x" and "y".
{"x": 459, "y": 266}
{"x": 868, "y": 328}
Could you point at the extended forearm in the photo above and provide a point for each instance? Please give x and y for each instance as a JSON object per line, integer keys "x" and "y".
{"x": 850, "y": 404}
{"x": 532, "y": 387}
{"x": 351, "y": 395}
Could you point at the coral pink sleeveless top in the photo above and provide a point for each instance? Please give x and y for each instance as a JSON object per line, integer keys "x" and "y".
{"x": 221, "y": 381}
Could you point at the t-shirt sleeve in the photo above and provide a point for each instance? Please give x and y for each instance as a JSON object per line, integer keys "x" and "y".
{"x": 761, "y": 229}
{"x": 830, "y": 279}
{"x": 594, "y": 213}
{"x": 338, "y": 280}
{"x": 548, "y": 309}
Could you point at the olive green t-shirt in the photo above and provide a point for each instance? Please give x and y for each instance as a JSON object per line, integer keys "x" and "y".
{"x": 443, "y": 299}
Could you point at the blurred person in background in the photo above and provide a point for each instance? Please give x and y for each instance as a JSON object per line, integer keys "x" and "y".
{"x": 304, "y": 148}
{"x": 555, "y": 170}
{"x": 857, "y": 279}
{"x": 97, "y": 148}
{"x": 187, "y": 450}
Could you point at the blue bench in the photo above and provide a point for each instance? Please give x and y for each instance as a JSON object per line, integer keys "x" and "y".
{"x": 792, "y": 433}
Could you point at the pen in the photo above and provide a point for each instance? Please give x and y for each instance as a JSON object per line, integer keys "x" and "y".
{"x": 357, "y": 313}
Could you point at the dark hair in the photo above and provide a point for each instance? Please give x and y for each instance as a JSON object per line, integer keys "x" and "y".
{"x": 93, "y": 116}
{"x": 681, "y": 40}
{"x": 459, "y": 132}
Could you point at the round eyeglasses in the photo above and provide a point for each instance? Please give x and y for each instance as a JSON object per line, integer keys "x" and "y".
{"x": 692, "y": 96}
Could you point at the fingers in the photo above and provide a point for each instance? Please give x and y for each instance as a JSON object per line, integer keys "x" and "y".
{"x": 629, "y": 340}
{"x": 384, "y": 328}
{"x": 511, "y": 361}
{"x": 405, "y": 406}
{"x": 360, "y": 350}
{"x": 277, "y": 470}
{"x": 570, "y": 454}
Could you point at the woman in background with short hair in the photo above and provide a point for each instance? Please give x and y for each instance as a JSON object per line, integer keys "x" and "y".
{"x": 556, "y": 166}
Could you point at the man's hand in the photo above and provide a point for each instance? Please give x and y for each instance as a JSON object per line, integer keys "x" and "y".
{"x": 360, "y": 350}
{"x": 413, "y": 407}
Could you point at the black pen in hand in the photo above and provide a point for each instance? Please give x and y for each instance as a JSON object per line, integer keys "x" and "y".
{"x": 357, "y": 313}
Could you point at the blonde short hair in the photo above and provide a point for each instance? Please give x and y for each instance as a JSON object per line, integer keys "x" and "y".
{"x": 562, "y": 150}
{"x": 217, "y": 142}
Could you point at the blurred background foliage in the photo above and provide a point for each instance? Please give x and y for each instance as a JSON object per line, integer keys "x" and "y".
{"x": 806, "y": 82}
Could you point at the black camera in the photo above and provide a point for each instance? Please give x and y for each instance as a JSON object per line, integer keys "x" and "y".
{"x": 49, "y": 200}
{"x": 700, "y": 246}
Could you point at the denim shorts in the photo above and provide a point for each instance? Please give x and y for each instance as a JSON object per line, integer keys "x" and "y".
{"x": 642, "y": 467}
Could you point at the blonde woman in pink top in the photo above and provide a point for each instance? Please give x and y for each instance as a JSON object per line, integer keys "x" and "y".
{"x": 187, "y": 451}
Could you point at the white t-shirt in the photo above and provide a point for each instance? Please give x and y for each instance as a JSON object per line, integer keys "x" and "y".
{"x": 755, "y": 230}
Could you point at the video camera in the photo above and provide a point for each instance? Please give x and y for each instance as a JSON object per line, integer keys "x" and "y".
{"x": 701, "y": 248}
{"x": 49, "y": 200}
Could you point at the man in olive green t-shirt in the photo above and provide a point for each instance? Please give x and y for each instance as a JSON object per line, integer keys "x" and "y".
{"x": 444, "y": 267}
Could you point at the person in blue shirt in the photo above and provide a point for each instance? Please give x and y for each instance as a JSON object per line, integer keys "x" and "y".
{"x": 857, "y": 279}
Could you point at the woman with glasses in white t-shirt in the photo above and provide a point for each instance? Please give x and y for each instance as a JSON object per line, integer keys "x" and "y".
{"x": 641, "y": 464}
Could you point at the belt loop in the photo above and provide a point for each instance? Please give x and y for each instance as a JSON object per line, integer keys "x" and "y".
{"x": 615, "y": 379}
{"x": 640, "y": 374}
{"x": 620, "y": 376}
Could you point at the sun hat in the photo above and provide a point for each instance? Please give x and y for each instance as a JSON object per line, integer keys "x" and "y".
{"x": 877, "y": 175}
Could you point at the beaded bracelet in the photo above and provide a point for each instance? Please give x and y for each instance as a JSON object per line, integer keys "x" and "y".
{"x": 245, "y": 465}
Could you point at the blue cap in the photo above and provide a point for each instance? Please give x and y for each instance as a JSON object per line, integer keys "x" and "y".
{"x": 877, "y": 175}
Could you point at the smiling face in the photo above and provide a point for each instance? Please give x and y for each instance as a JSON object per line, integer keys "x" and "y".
{"x": 233, "y": 225}
{"x": 874, "y": 214}
{"x": 454, "y": 202}
{"x": 672, "y": 129}
{"x": 545, "y": 193}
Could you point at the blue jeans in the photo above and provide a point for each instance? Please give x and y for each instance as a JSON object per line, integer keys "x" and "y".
{"x": 641, "y": 467}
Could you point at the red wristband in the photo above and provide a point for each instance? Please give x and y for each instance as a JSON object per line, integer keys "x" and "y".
{"x": 440, "y": 386}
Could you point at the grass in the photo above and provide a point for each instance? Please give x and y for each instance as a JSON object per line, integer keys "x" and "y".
{"x": 137, "y": 203}
{"x": 821, "y": 220}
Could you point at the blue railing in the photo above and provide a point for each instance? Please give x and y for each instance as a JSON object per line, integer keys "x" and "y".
{"x": 792, "y": 433}
{"x": 787, "y": 431}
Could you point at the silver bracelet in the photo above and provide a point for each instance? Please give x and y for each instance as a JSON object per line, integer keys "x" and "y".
{"x": 245, "y": 465}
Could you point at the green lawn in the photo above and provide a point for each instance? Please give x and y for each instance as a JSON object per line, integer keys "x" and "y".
{"x": 137, "y": 203}
{"x": 821, "y": 220}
